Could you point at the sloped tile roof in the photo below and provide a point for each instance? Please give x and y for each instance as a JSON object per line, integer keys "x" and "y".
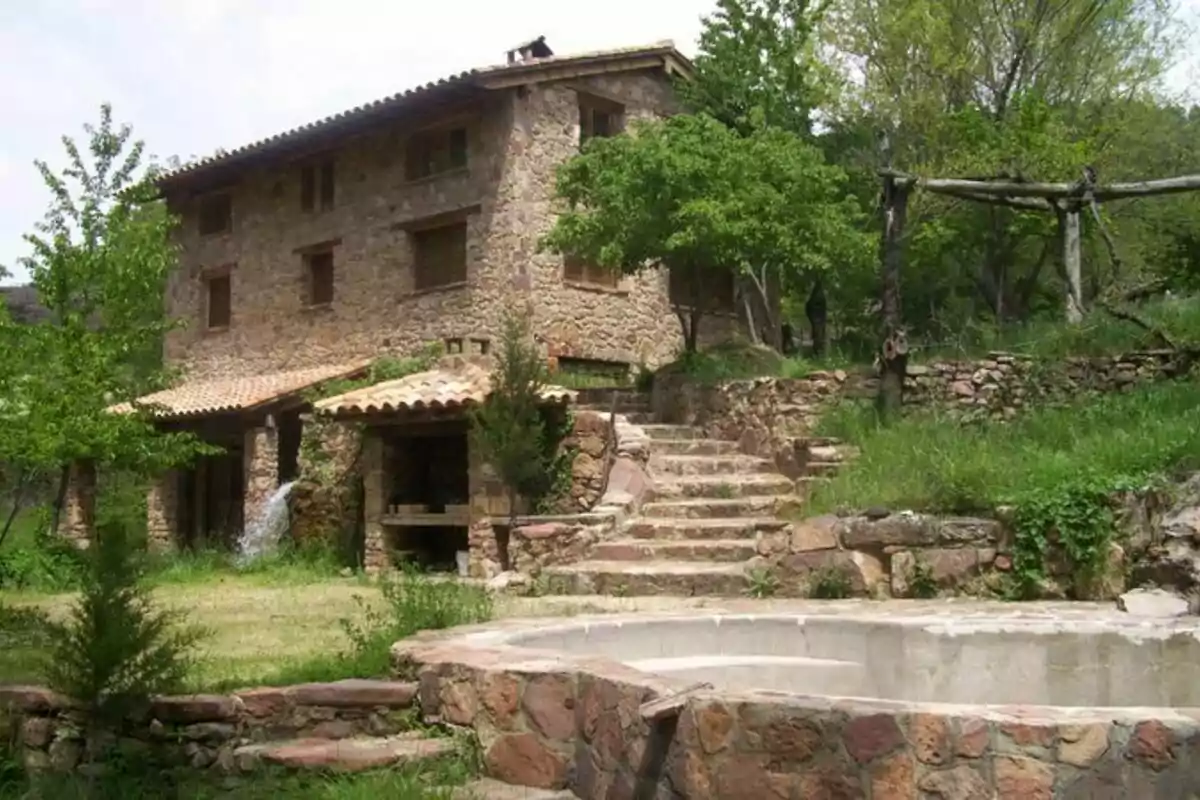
{"x": 476, "y": 77}
{"x": 203, "y": 398}
{"x": 452, "y": 387}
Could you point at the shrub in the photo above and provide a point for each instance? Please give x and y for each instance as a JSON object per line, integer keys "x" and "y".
{"x": 831, "y": 583}
{"x": 117, "y": 650}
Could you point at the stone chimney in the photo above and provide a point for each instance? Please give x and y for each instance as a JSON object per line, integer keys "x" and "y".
{"x": 534, "y": 48}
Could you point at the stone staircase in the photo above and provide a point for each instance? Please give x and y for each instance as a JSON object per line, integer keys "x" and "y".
{"x": 698, "y": 529}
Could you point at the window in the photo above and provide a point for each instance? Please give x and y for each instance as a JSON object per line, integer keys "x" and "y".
{"x": 440, "y": 256}
{"x": 319, "y": 274}
{"x": 219, "y": 308}
{"x": 433, "y": 152}
{"x": 316, "y": 186}
{"x": 599, "y": 117}
{"x": 216, "y": 214}
{"x": 713, "y": 290}
{"x": 576, "y": 270}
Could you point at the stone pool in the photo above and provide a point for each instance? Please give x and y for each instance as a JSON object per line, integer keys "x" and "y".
{"x": 830, "y": 700}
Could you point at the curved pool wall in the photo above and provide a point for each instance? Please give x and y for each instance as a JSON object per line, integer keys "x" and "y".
{"x": 1007, "y": 662}
{"x": 843, "y": 700}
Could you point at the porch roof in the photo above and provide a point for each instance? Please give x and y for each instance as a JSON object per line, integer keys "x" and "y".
{"x": 449, "y": 387}
{"x": 222, "y": 395}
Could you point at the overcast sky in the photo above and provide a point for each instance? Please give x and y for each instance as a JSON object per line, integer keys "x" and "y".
{"x": 195, "y": 75}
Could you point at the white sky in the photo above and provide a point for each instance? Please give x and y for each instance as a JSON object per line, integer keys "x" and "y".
{"x": 195, "y": 75}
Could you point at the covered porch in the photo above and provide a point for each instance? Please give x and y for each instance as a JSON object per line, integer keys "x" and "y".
{"x": 428, "y": 498}
{"x": 256, "y": 423}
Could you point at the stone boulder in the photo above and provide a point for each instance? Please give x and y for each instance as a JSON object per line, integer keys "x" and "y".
{"x": 1158, "y": 603}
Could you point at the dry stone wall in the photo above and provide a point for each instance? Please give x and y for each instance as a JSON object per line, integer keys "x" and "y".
{"x": 209, "y": 731}
{"x": 768, "y": 415}
{"x": 905, "y": 554}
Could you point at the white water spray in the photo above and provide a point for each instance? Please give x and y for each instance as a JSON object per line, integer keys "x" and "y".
{"x": 263, "y": 535}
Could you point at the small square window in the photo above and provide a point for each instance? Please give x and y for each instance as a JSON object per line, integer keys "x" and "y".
{"x": 215, "y": 214}
{"x": 599, "y": 118}
{"x": 432, "y": 152}
{"x": 440, "y": 256}
{"x": 219, "y": 305}
{"x": 319, "y": 268}
{"x": 454, "y": 346}
{"x": 576, "y": 270}
{"x": 317, "y": 186}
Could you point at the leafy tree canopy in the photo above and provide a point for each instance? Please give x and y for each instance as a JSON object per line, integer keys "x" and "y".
{"x": 694, "y": 196}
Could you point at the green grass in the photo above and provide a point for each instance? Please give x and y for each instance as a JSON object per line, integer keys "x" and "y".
{"x": 1099, "y": 334}
{"x": 927, "y": 462}
{"x": 429, "y": 782}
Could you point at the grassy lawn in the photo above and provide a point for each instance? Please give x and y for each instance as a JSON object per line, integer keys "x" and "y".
{"x": 263, "y": 628}
{"x": 924, "y": 462}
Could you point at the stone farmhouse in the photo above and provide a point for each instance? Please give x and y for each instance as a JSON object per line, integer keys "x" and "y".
{"x": 409, "y": 220}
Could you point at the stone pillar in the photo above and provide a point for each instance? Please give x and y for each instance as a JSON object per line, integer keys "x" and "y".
{"x": 487, "y": 499}
{"x": 260, "y": 462}
{"x": 162, "y": 513}
{"x": 77, "y": 522}
{"x": 375, "y": 556}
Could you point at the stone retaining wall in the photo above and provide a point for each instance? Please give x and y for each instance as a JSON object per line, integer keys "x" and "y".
{"x": 907, "y": 554}
{"x": 766, "y": 415}
{"x": 208, "y": 731}
{"x": 550, "y": 720}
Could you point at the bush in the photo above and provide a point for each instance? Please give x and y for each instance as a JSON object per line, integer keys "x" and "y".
{"x": 117, "y": 650}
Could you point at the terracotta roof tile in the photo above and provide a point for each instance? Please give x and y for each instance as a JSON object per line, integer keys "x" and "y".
{"x": 202, "y": 398}
{"x": 665, "y": 48}
{"x": 449, "y": 387}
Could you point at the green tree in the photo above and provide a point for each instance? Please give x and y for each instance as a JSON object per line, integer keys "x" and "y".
{"x": 100, "y": 261}
{"x": 508, "y": 427}
{"x": 691, "y": 195}
{"x": 117, "y": 650}
{"x": 1025, "y": 88}
{"x": 756, "y": 65}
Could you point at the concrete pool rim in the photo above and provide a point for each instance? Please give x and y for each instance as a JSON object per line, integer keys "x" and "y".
{"x": 553, "y": 719}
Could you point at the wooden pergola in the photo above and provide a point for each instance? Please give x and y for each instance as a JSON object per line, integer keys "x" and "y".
{"x": 1066, "y": 200}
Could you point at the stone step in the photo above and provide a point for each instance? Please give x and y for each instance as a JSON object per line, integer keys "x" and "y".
{"x": 813, "y": 442}
{"x": 710, "y": 465}
{"x": 343, "y": 755}
{"x": 712, "y": 508}
{"x": 640, "y": 418}
{"x": 702, "y": 529}
{"x": 623, "y": 578}
{"x": 491, "y": 789}
{"x": 723, "y": 486}
{"x": 823, "y": 468}
{"x": 671, "y": 432}
{"x": 713, "y": 550}
{"x": 693, "y": 447}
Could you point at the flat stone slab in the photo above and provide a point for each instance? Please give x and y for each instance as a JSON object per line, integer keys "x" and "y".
{"x": 1153, "y": 603}
{"x": 489, "y": 789}
{"x": 343, "y": 755}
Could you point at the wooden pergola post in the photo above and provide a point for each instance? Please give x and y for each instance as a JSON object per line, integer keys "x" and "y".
{"x": 1067, "y": 200}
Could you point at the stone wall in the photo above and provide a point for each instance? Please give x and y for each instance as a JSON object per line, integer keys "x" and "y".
{"x": 552, "y": 721}
{"x": 323, "y": 500}
{"x": 516, "y": 139}
{"x": 767, "y": 415}
{"x": 210, "y": 731}
{"x": 593, "y": 510}
{"x": 907, "y": 554}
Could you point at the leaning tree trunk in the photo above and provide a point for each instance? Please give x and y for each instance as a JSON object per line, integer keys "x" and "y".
{"x": 817, "y": 310}
{"x": 893, "y": 357}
